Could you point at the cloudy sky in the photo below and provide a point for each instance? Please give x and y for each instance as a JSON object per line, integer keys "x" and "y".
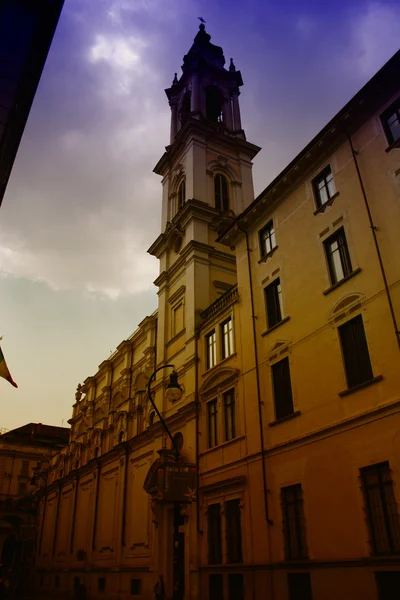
{"x": 82, "y": 205}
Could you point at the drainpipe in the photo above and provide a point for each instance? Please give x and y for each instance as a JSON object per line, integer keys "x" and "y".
{"x": 376, "y": 243}
{"x": 260, "y": 416}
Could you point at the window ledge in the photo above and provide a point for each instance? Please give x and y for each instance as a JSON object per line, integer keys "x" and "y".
{"x": 268, "y": 255}
{"x": 322, "y": 208}
{"x": 275, "y": 326}
{"x": 339, "y": 283}
{"x": 218, "y": 364}
{"x": 393, "y": 145}
{"x": 176, "y": 336}
{"x": 222, "y": 445}
{"x": 283, "y": 419}
{"x": 360, "y": 386}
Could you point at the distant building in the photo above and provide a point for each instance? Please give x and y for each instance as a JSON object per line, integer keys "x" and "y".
{"x": 281, "y": 317}
{"x": 26, "y": 32}
{"x": 23, "y": 452}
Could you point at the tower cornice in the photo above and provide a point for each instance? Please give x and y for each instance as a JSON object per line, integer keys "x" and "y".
{"x": 212, "y": 134}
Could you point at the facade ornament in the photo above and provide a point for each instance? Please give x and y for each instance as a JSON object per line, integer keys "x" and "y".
{"x": 78, "y": 393}
{"x": 232, "y": 66}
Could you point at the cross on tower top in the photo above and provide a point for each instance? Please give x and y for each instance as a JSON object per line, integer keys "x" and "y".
{"x": 201, "y": 19}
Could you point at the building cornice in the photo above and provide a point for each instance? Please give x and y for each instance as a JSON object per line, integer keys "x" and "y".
{"x": 346, "y": 122}
{"x": 211, "y": 134}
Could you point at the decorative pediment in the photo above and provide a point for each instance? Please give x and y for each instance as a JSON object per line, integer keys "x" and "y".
{"x": 345, "y": 305}
{"x": 220, "y": 378}
{"x": 279, "y": 347}
{"x": 221, "y": 164}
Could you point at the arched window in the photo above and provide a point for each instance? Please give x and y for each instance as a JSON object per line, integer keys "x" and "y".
{"x": 214, "y": 102}
{"x": 181, "y": 194}
{"x": 121, "y": 437}
{"x": 221, "y": 193}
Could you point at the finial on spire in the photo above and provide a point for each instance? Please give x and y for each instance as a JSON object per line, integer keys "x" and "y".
{"x": 201, "y": 20}
{"x": 232, "y": 66}
{"x": 175, "y": 81}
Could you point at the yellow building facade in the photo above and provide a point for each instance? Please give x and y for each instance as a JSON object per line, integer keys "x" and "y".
{"x": 23, "y": 452}
{"x": 280, "y": 316}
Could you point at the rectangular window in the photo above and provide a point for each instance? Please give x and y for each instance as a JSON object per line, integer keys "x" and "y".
{"x": 233, "y": 531}
{"x": 212, "y": 413}
{"x": 211, "y": 344}
{"x": 294, "y": 530}
{"x": 216, "y": 587}
{"x": 273, "y": 298}
{"x": 227, "y": 338}
{"x": 214, "y": 534}
{"x": 282, "y": 389}
{"x": 355, "y": 352}
{"x": 177, "y": 319}
{"x": 101, "y": 584}
{"x": 135, "y": 587}
{"x": 391, "y": 122}
{"x": 229, "y": 414}
{"x": 324, "y": 186}
{"x": 381, "y": 506}
{"x": 267, "y": 239}
{"x": 299, "y": 586}
{"x": 388, "y": 584}
{"x": 338, "y": 256}
{"x": 235, "y": 586}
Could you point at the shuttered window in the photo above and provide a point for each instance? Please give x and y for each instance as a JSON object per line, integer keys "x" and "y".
{"x": 338, "y": 256}
{"x": 214, "y": 534}
{"x": 381, "y": 507}
{"x": 299, "y": 585}
{"x": 282, "y": 389}
{"x": 233, "y": 531}
{"x": 235, "y": 586}
{"x": 355, "y": 352}
{"x": 212, "y": 413}
{"x": 273, "y": 298}
{"x": 221, "y": 193}
{"x": 293, "y": 522}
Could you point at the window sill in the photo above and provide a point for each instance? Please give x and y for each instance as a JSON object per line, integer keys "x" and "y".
{"x": 329, "y": 202}
{"x": 264, "y": 333}
{"x": 360, "y": 386}
{"x": 223, "y": 445}
{"x": 218, "y": 364}
{"x": 268, "y": 255}
{"x": 393, "y": 145}
{"x": 176, "y": 337}
{"x": 339, "y": 283}
{"x": 283, "y": 419}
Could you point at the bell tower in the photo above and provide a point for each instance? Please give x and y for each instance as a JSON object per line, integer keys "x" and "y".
{"x": 207, "y": 180}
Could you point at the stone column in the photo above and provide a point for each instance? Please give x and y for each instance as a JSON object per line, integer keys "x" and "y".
{"x": 174, "y": 117}
{"x": 228, "y": 114}
{"x": 236, "y": 112}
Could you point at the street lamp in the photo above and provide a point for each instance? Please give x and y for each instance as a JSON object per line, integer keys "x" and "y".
{"x": 173, "y": 393}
